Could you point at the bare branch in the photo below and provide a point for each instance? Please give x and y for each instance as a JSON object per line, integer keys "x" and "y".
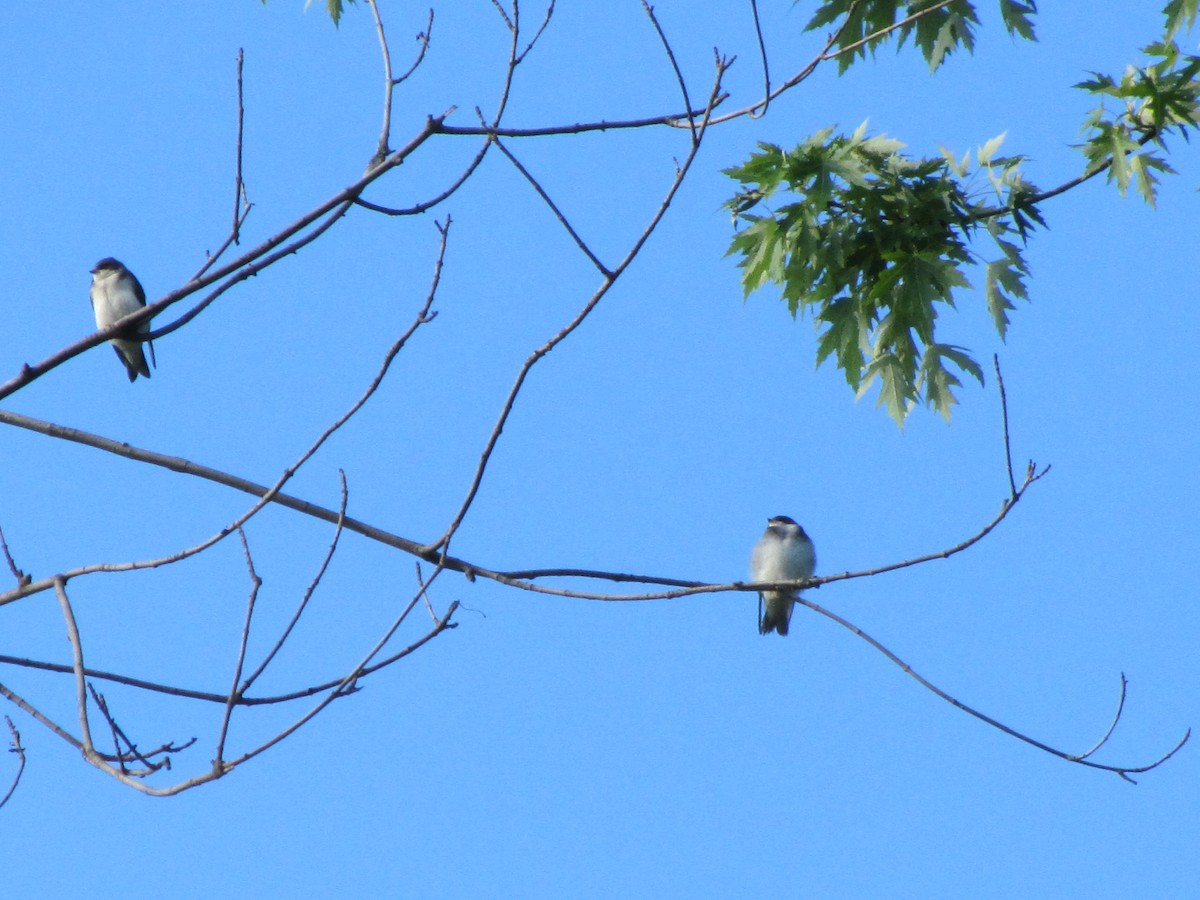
{"x": 558, "y": 214}
{"x": 423, "y": 38}
{"x": 523, "y": 578}
{"x": 1081, "y": 759}
{"x": 1012, "y": 483}
{"x": 246, "y": 266}
{"x": 255, "y": 584}
{"x": 687, "y": 103}
{"x": 85, "y": 731}
{"x": 131, "y": 753}
{"x": 308, "y": 593}
{"x": 20, "y": 751}
{"x": 675, "y": 120}
{"x": 381, "y": 147}
{"x": 1112, "y": 726}
{"x": 426, "y": 205}
{"x": 239, "y": 193}
{"x": 241, "y": 202}
{"x": 206, "y": 696}
{"x": 504, "y": 15}
{"x": 537, "y": 34}
{"x": 21, "y": 703}
{"x": 102, "y": 705}
{"x": 569, "y": 328}
{"x": 23, "y": 579}
{"x": 345, "y": 685}
{"x": 761, "y": 110}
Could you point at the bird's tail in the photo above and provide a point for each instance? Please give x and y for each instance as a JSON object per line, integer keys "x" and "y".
{"x": 768, "y": 622}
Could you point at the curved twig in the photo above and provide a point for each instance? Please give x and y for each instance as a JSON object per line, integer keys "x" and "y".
{"x": 423, "y": 37}
{"x": 1112, "y": 726}
{"x": 1123, "y": 771}
{"x": 18, "y": 749}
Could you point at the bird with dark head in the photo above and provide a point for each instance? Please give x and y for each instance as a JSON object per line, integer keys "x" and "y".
{"x": 116, "y": 293}
{"x": 783, "y": 553}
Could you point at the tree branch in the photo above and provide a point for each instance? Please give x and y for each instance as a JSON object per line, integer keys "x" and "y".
{"x": 1081, "y": 759}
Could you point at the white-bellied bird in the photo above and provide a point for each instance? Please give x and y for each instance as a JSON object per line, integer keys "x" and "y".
{"x": 783, "y": 553}
{"x": 115, "y": 294}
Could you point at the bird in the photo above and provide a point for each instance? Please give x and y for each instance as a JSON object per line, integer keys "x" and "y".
{"x": 783, "y": 553}
{"x": 116, "y": 293}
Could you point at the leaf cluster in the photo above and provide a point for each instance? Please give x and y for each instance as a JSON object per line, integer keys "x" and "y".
{"x": 874, "y": 244}
{"x": 936, "y": 27}
{"x": 1155, "y": 100}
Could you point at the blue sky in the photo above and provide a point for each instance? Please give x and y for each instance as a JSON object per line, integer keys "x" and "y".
{"x": 553, "y": 747}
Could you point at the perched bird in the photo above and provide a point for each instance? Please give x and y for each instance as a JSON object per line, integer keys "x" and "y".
{"x": 115, "y": 294}
{"x": 783, "y": 553}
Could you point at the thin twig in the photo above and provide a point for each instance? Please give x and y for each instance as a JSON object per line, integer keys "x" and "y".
{"x": 385, "y": 131}
{"x": 308, "y": 593}
{"x": 422, "y": 584}
{"x": 21, "y": 703}
{"x": 102, "y": 705}
{"x": 251, "y": 600}
{"x": 239, "y": 193}
{"x": 241, "y": 202}
{"x": 20, "y": 751}
{"x": 132, "y": 753}
{"x": 345, "y": 685}
{"x": 558, "y": 214}
{"x": 537, "y": 34}
{"x": 423, "y": 38}
{"x": 85, "y": 731}
{"x": 758, "y": 113}
{"x": 1112, "y": 726}
{"x": 22, "y": 577}
{"x": 1012, "y": 483}
{"x": 687, "y": 103}
{"x": 504, "y": 15}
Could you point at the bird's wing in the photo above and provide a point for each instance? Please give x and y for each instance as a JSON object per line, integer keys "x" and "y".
{"x": 137, "y": 289}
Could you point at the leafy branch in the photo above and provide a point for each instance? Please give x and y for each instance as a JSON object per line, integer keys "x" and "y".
{"x": 876, "y": 245}
{"x": 872, "y": 244}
